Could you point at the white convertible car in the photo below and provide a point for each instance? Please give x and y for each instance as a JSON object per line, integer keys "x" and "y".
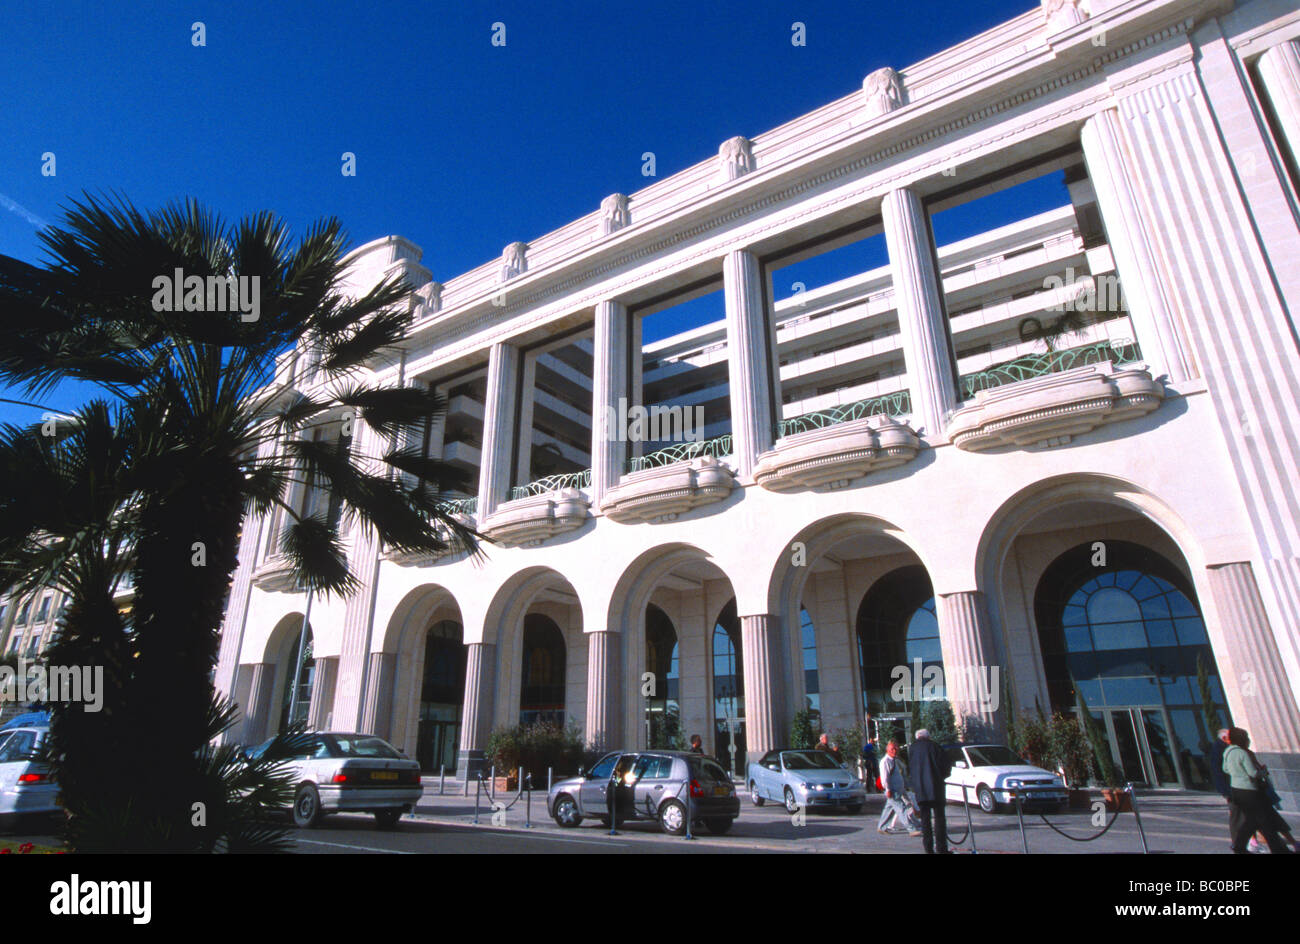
{"x": 988, "y": 771}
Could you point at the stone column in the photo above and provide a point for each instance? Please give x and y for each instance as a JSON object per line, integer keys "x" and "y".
{"x": 1153, "y": 317}
{"x": 608, "y": 386}
{"x": 765, "y": 722}
{"x": 1279, "y": 73}
{"x": 1254, "y": 679}
{"x": 969, "y": 656}
{"x": 377, "y": 712}
{"x": 927, "y": 345}
{"x": 498, "y": 428}
{"x": 359, "y": 609}
{"x": 749, "y": 362}
{"x": 232, "y": 625}
{"x": 321, "y": 713}
{"x": 257, "y": 713}
{"x": 604, "y": 668}
{"x": 480, "y": 690}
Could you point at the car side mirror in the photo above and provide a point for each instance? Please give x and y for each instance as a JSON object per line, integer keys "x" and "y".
{"x": 959, "y": 765}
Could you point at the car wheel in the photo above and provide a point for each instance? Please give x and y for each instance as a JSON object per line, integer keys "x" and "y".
{"x": 754, "y": 796}
{"x": 718, "y": 825}
{"x": 387, "y": 819}
{"x": 986, "y": 800}
{"x": 306, "y": 807}
{"x": 791, "y": 804}
{"x": 672, "y": 818}
{"x": 566, "y": 812}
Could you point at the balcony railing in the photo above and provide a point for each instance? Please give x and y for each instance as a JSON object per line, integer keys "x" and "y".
{"x": 719, "y": 447}
{"x": 462, "y": 506}
{"x": 889, "y": 404}
{"x": 553, "y": 483}
{"x": 1051, "y": 362}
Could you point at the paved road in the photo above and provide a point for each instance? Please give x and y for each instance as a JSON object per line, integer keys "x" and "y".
{"x": 1174, "y": 823}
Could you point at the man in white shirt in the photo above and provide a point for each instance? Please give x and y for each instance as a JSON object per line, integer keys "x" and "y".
{"x": 896, "y": 806}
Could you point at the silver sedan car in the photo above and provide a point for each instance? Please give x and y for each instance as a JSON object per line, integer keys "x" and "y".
{"x": 804, "y": 779}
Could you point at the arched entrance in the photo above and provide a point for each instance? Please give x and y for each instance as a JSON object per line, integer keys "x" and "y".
{"x": 298, "y": 668}
{"x": 1120, "y": 624}
{"x": 663, "y": 707}
{"x": 900, "y": 661}
{"x": 541, "y": 696}
{"x": 728, "y": 689}
{"x": 442, "y": 695}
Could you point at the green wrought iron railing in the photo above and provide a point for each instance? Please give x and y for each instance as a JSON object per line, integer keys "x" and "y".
{"x": 462, "y": 506}
{"x": 718, "y": 447}
{"x": 889, "y": 404}
{"x": 553, "y": 483}
{"x": 1051, "y": 362}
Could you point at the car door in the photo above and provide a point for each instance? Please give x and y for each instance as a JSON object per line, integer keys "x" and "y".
{"x": 653, "y": 773}
{"x": 773, "y": 784}
{"x": 959, "y": 775}
{"x": 591, "y": 796}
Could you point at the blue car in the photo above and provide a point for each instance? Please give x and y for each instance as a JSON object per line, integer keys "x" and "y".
{"x": 808, "y": 779}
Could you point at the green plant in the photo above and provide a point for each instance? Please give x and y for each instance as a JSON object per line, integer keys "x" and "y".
{"x": 1104, "y": 764}
{"x": 1209, "y": 709}
{"x": 535, "y": 747}
{"x": 937, "y": 716}
{"x": 802, "y": 733}
{"x": 1068, "y": 749}
{"x": 849, "y": 741}
{"x": 1029, "y": 739}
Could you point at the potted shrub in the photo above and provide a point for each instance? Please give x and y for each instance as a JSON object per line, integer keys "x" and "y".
{"x": 1117, "y": 799}
{"x": 1071, "y": 752}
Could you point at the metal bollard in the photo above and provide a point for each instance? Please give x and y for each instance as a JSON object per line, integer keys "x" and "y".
{"x": 492, "y": 784}
{"x": 550, "y": 772}
{"x": 690, "y": 812}
{"x": 1132, "y": 799}
{"x": 528, "y": 804}
{"x": 1020, "y": 815}
{"x": 970, "y": 829}
{"x": 478, "y": 792}
{"x": 442, "y": 779}
{"x": 611, "y": 802}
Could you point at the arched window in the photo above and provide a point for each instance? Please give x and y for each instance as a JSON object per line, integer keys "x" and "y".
{"x": 728, "y": 689}
{"x": 542, "y": 695}
{"x": 811, "y": 687}
{"x": 663, "y": 712}
{"x": 295, "y": 702}
{"x": 1129, "y": 635}
{"x": 442, "y": 693}
{"x": 896, "y": 626}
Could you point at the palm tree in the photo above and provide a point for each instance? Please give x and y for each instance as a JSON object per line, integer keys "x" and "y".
{"x": 197, "y": 389}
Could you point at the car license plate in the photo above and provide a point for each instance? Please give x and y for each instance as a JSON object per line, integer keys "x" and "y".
{"x": 383, "y": 775}
{"x": 719, "y": 791}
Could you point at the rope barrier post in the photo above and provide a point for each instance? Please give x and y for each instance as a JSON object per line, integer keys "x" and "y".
{"x": 1132, "y": 799}
{"x": 478, "y": 792}
{"x": 690, "y": 806}
{"x": 970, "y": 829}
{"x": 550, "y": 782}
{"x": 528, "y": 805}
{"x": 611, "y": 801}
{"x": 1020, "y": 815}
{"x": 442, "y": 779}
{"x": 492, "y": 784}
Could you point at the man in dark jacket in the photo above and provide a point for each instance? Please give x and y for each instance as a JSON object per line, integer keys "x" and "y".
{"x": 930, "y": 767}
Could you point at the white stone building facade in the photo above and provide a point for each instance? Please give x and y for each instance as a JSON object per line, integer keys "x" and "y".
{"x": 918, "y": 457}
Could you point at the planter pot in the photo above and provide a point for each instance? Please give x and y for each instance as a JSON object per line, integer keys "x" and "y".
{"x": 1117, "y": 800}
{"x": 1079, "y": 799}
{"x": 502, "y": 784}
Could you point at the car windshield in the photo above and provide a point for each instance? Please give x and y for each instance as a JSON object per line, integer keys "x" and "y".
{"x": 809, "y": 760}
{"x": 993, "y": 756}
{"x": 364, "y": 746}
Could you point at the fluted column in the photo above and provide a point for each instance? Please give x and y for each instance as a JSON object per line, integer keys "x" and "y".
{"x": 927, "y": 345}
{"x": 608, "y": 386}
{"x": 499, "y": 428}
{"x": 359, "y": 609}
{"x": 377, "y": 712}
{"x": 969, "y": 655}
{"x": 1153, "y": 318}
{"x": 257, "y": 713}
{"x": 1279, "y": 72}
{"x": 750, "y": 373}
{"x": 236, "y": 618}
{"x": 321, "y": 713}
{"x": 760, "y": 644}
{"x": 480, "y": 689}
{"x": 604, "y": 668}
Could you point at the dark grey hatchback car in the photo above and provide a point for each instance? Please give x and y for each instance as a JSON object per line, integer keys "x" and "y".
{"x": 651, "y": 785}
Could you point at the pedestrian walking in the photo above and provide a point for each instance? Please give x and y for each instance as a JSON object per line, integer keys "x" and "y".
{"x": 697, "y": 744}
{"x": 1249, "y": 811}
{"x": 870, "y": 765}
{"x": 896, "y": 808}
{"x": 930, "y": 770}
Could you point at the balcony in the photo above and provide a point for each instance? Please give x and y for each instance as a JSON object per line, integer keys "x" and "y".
{"x": 831, "y": 448}
{"x": 463, "y": 510}
{"x": 275, "y": 575}
{"x": 1045, "y": 400}
{"x": 669, "y": 482}
{"x": 540, "y": 510}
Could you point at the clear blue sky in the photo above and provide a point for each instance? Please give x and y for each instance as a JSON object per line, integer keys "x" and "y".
{"x": 461, "y": 146}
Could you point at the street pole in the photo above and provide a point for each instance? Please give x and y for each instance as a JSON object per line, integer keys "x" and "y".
{"x": 297, "y": 668}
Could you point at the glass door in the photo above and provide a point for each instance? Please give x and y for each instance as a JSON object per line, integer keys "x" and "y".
{"x": 1142, "y": 746}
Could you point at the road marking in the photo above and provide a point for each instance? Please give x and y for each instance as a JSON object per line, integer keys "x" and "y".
{"x": 349, "y": 845}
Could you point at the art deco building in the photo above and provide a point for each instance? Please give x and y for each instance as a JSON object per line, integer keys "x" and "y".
{"x": 996, "y": 368}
